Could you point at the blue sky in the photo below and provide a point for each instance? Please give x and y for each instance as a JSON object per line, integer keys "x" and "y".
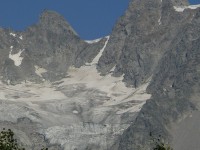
{"x": 90, "y": 18}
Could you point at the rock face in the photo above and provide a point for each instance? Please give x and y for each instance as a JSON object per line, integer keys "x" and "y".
{"x": 119, "y": 92}
{"x": 51, "y": 45}
{"x": 174, "y": 87}
{"x": 140, "y": 38}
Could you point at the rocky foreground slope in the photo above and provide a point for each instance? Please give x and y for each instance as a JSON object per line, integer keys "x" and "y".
{"x": 114, "y": 93}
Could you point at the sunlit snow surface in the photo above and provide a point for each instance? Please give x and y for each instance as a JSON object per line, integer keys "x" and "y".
{"x": 96, "y": 59}
{"x": 39, "y": 71}
{"x": 182, "y": 8}
{"x": 21, "y": 37}
{"x": 93, "y": 41}
{"x": 13, "y": 34}
{"x": 80, "y": 110}
{"x": 159, "y": 21}
{"x": 16, "y": 57}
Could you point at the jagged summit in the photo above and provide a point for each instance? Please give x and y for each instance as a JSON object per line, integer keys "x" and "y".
{"x": 180, "y": 2}
{"x": 52, "y": 19}
{"x": 51, "y": 45}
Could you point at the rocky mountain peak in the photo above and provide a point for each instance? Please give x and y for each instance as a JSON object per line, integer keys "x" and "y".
{"x": 53, "y": 20}
{"x": 180, "y": 2}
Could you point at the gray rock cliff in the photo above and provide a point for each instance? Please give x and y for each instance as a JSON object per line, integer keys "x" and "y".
{"x": 174, "y": 88}
{"x": 51, "y": 44}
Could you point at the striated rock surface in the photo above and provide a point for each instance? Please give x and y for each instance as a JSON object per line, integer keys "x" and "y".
{"x": 174, "y": 89}
{"x": 141, "y": 37}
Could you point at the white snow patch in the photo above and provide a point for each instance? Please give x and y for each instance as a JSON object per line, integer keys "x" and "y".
{"x": 30, "y": 92}
{"x": 93, "y": 41}
{"x": 21, "y": 37}
{"x": 39, "y": 71}
{"x": 16, "y": 57}
{"x": 114, "y": 87}
{"x": 182, "y": 8}
{"x": 21, "y": 100}
{"x": 75, "y": 112}
{"x": 113, "y": 69}
{"x": 159, "y": 21}
{"x": 96, "y": 59}
{"x": 13, "y": 34}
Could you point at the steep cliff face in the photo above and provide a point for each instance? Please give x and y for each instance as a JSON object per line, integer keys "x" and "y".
{"x": 140, "y": 38}
{"x": 174, "y": 89}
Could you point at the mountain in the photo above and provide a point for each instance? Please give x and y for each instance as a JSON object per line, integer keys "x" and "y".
{"x": 114, "y": 93}
{"x": 173, "y": 42}
{"x": 50, "y": 44}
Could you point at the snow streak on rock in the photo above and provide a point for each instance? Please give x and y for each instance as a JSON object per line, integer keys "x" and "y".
{"x": 96, "y": 59}
{"x": 159, "y": 21}
{"x": 21, "y": 37}
{"x": 93, "y": 41}
{"x": 182, "y": 8}
{"x": 13, "y": 34}
{"x": 39, "y": 71}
